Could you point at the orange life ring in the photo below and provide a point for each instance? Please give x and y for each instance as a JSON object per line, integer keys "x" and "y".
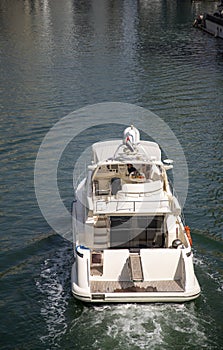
{"x": 187, "y": 230}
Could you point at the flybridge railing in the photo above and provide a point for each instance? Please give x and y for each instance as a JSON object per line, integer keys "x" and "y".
{"x": 131, "y": 205}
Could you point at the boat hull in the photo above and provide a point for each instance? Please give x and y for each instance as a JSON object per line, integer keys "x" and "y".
{"x": 85, "y": 294}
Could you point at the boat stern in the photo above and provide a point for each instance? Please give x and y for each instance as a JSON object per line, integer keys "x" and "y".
{"x": 144, "y": 275}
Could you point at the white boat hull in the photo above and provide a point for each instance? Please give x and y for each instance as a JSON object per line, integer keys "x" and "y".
{"x": 114, "y": 286}
{"x": 140, "y": 297}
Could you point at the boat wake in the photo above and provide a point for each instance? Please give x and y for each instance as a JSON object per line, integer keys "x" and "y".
{"x": 117, "y": 326}
{"x": 210, "y": 267}
{"x": 54, "y": 285}
{"x": 141, "y": 326}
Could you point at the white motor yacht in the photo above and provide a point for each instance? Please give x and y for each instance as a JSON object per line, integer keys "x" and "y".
{"x": 130, "y": 242}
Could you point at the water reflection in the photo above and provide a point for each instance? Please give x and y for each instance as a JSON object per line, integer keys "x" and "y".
{"x": 56, "y": 58}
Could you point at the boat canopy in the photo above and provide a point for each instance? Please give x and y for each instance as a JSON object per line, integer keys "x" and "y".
{"x": 114, "y": 149}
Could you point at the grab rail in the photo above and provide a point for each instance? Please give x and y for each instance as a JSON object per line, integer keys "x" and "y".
{"x": 118, "y": 205}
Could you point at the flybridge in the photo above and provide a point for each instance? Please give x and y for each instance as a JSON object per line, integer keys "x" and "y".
{"x": 131, "y": 148}
{"x": 115, "y": 150}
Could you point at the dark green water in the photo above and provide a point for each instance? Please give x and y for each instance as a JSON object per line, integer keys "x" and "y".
{"x": 56, "y": 57}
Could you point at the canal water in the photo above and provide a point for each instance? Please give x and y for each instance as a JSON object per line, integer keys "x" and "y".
{"x": 59, "y": 57}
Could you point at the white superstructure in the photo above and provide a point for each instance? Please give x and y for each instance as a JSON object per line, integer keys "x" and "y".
{"x": 129, "y": 240}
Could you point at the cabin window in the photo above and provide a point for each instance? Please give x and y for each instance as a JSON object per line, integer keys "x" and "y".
{"x": 137, "y": 231}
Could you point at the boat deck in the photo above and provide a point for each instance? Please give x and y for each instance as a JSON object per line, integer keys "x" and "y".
{"x": 135, "y": 268}
{"x": 129, "y": 286}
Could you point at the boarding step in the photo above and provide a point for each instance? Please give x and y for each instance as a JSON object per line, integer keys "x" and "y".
{"x": 135, "y": 266}
{"x": 101, "y": 237}
{"x": 102, "y": 222}
{"x": 96, "y": 266}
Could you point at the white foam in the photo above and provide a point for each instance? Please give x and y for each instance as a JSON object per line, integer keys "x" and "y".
{"x": 54, "y": 276}
{"x": 142, "y": 326}
{"x": 131, "y": 326}
{"x": 209, "y": 267}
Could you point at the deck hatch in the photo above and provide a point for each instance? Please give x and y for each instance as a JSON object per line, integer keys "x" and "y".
{"x": 135, "y": 266}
